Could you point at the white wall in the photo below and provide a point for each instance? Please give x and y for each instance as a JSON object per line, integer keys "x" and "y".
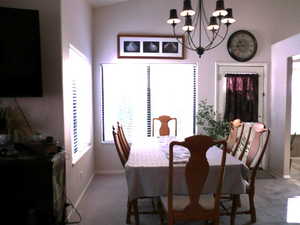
{"x": 76, "y": 30}
{"x": 46, "y": 113}
{"x": 281, "y": 103}
{"x": 269, "y": 20}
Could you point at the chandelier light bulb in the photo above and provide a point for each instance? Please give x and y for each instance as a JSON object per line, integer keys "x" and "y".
{"x": 228, "y": 19}
{"x": 188, "y": 26}
{"x": 213, "y": 25}
{"x": 220, "y": 10}
{"x": 173, "y": 19}
{"x": 187, "y": 9}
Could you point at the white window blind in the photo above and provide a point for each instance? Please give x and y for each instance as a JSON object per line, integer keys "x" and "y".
{"x": 134, "y": 94}
{"x": 82, "y": 122}
{"x": 124, "y": 99}
{"x": 172, "y": 94}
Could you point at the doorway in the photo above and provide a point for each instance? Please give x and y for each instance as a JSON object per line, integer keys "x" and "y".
{"x": 245, "y": 68}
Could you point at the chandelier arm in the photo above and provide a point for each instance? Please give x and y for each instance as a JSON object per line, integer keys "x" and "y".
{"x": 200, "y": 21}
{"x": 220, "y": 40}
{"x": 206, "y": 34}
{"x": 180, "y": 42}
{"x": 191, "y": 42}
{"x": 214, "y": 36}
{"x": 196, "y": 18}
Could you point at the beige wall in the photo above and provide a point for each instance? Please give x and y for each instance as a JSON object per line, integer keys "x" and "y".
{"x": 269, "y": 20}
{"x": 46, "y": 113}
{"x": 76, "y": 30}
{"x": 281, "y": 103}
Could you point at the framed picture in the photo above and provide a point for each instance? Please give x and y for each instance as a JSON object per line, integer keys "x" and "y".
{"x": 150, "y": 46}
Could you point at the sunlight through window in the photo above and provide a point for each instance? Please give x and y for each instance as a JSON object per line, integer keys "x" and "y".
{"x": 295, "y": 123}
{"x": 81, "y": 82}
{"x": 293, "y": 215}
{"x": 134, "y": 94}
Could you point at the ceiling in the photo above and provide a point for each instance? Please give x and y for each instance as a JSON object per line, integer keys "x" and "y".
{"x": 99, "y": 3}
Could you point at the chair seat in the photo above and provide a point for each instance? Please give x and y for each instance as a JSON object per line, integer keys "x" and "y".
{"x": 180, "y": 202}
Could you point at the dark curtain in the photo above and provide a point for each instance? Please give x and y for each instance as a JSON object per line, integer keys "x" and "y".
{"x": 241, "y": 97}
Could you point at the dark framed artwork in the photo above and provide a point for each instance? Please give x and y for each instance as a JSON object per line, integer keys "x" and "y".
{"x": 150, "y": 46}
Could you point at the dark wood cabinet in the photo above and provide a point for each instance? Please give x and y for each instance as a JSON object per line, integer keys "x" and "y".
{"x": 32, "y": 189}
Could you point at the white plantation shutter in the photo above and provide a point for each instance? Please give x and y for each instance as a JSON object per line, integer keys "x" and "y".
{"x": 75, "y": 117}
{"x": 135, "y": 93}
{"x": 82, "y": 122}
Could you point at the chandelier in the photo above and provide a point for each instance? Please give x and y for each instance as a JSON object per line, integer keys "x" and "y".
{"x": 194, "y": 21}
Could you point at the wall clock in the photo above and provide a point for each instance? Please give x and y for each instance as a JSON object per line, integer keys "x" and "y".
{"x": 242, "y": 45}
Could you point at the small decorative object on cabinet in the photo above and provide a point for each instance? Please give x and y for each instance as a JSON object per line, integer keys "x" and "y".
{"x": 242, "y": 45}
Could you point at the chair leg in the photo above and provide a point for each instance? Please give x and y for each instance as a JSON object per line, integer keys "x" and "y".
{"x": 129, "y": 208}
{"x": 252, "y": 207}
{"x": 136, "y": 212}
{"x": 235, "y": 202}
{"x": 160, "y": 211}
{"x": 153, "y": 204}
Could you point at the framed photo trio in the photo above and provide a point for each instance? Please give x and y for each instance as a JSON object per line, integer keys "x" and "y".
{"x": 150, "y": 46}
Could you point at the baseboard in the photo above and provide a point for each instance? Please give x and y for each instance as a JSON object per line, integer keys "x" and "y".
{"x": 80, "y": 197}
{"x": 278, "y": 174}
{"x": 109, "y": 172}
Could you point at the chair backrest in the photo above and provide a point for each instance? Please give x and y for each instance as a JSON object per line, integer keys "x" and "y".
{"x": 239, "y": 149}
{"x": 258, "y": 144}
{"x": 235, "y": 135}
{"x": 257, "y": 150}
{"x": 119, "y": 148}
{"x": 196, "y": 173}
{"x": 164, "y": 129}
{"x": 124, "y": 143}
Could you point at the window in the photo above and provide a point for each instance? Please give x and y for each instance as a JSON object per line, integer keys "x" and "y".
{"x": 81, "y": 88}
{"x": 134, "y": 94}
{"x": 295, "y": 109}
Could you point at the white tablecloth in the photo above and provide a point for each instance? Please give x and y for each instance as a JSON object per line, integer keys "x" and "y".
{"x": 147, "y": 170}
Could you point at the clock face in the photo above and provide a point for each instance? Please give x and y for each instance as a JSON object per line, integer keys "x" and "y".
{"x": 242, "y": 45}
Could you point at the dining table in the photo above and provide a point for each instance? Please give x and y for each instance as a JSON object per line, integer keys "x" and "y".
{"x": 148, "y": 166}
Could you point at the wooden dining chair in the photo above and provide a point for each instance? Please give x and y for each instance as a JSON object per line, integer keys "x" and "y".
{"x": 124, "y": 143}
{"x": 194, "y": 205}
{"x": 132, "y": 206}
{"x": 235, "y": 135}
{"x": 243, "y": 145}
{"x": 254, "y": 157}
{"x": 121, "y": 152}
{"x": 164, "y": 129}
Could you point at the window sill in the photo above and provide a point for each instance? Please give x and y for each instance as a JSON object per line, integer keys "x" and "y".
{"x": 80, "y": 154}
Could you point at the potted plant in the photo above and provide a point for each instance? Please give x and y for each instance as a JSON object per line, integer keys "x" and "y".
{"x": 207, "y": 119}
